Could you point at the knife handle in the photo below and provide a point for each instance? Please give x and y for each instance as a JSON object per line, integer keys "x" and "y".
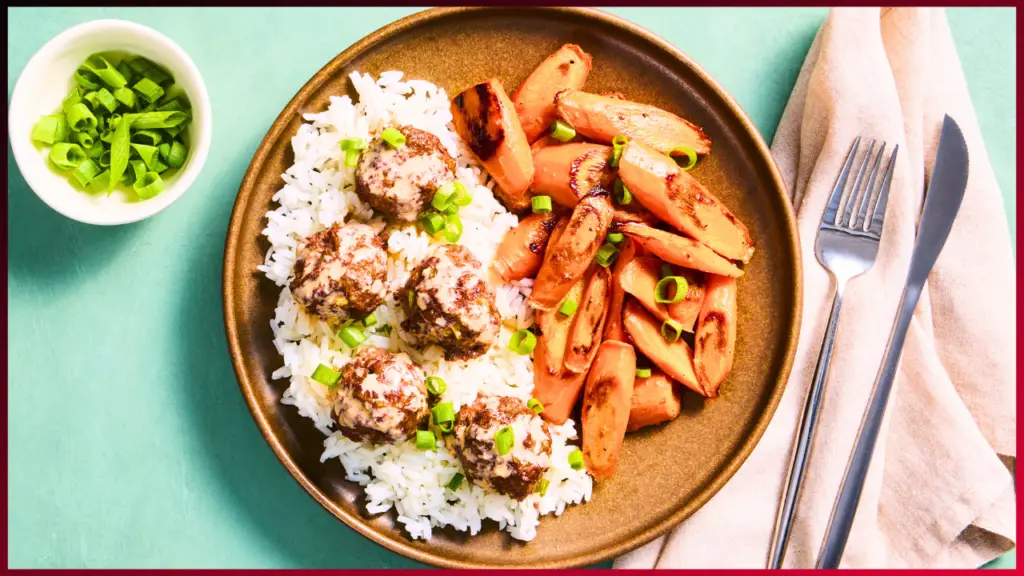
{"x": 845, "y": 507}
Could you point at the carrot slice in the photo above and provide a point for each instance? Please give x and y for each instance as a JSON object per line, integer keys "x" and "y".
{"x": 555, "y": 329}
{"x": 588, "y": 322}
{"x": 486, "y": 120}
{"x": 607, "y": 401}
{"x": 568, "y": 258}
{"x": 613, "y": 323}
{"x": 675, "y": 359}
{"x": 568, "y": 172}
{"x": 602, "y": 118}
{"x": 715, "y": 341}
{"x": 686, "y": 310}
{"x": 557, "y": 390}
{"x": 655, "y": 400}
{"x": 680, "y": 250}
{"x": 640, "y": 280}
{"x": 521, "y": 251}
{"x": 634, "y": 213}
{"x": 680, "y": 200}
{"x": 535, "y": 98}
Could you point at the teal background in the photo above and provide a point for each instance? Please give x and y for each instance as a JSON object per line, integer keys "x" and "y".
{"x": 129, "y": 443}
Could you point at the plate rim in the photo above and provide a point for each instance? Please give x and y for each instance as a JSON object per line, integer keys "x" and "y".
{"x": 245, "y": 196}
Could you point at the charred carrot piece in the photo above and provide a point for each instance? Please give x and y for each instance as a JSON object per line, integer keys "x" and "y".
{"x": 521, "y": 251}
{"x": 680, "y": 250}
{"x": 686, "y": 310}
{"x": 486, "y": 120}
{"x": 588, "y": 321}
{"x": 655, "y": 400}
{"x": 634, "y": 213}
{"x": 602, "y": 118}
{"x": 715, "y": 340}
{"x": 555, "y": 329}
{"x": 569, "y": 172}
{"x": 613, "y": 323}
{"x": 557, "y": 390}
{"x": 535, "y": 99}
{"x": 680, "y": 200}
{"x": 639, "y": 279}
{"x": 607, "y": 400}
{"x": 569, "y": 256}
{"x": 675, "y": 359}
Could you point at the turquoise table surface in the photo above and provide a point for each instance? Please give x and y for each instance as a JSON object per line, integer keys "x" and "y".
{"x": 129, "y": 444}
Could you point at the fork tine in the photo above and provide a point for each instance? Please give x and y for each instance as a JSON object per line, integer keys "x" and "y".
{"x": 833, "y": 203}
{"x": 851, "y": 199}
{"x": 862, "y": 213}
{"x": 878, "y": 212}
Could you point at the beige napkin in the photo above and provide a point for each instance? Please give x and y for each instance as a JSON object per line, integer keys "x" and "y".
{"x": 938, "y": 493}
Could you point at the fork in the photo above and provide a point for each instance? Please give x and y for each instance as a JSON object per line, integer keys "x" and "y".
{"x": 846, "y": 246}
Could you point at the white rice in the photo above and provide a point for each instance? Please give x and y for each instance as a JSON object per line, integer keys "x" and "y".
{"x": 319, "y": 191}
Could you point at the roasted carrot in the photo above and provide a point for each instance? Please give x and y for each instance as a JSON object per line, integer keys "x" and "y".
{"x": 675, "y": 359}
{"x": 680, "y": 200}
{"x": 569, "y": 172}
{"x": 607, "y": 401}
{"x": 715, "y": 340}
{"x": 567, "y": 258}
{"x": 602, "y": 118}
{"x": 634, "y": 213}
{"x": 535, "y": 98}
{"x": 557, "y": 390}
{"x": 613, "y": 323}
{"x": 655, "y": 400}
{"x": 521, "y": 251}
{"x": 686, "y": 310}
{"x": 555, "y": 329}
{"x": 639, "y": 279}
{"x": 486, "y": 120}
{"x": 679, "y": 250}
{"x": 588, "y": 321}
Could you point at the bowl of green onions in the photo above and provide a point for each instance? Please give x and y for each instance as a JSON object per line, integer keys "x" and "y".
{"x": 110, "y": 122}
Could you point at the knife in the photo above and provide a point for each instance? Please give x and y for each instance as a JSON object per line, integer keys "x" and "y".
{"x": 941, "y": 204}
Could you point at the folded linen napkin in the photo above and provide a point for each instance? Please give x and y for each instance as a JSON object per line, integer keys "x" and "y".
{"x": 939, "y": 493}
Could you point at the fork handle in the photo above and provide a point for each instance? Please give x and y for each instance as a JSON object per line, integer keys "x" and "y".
{"x": 801, "y": 449}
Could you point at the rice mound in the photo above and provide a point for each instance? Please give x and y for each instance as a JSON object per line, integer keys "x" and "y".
{"x": 319, "y": 191}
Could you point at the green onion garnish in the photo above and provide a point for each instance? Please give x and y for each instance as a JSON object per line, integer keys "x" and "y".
{"x": 671, "y": 330}
{"x": 149, "y": 185}
{"x": 622, "y": 194}
{"x": 177, "y": 155}
{"x": 606, "y": 255}
{"x": 615, "y": 237}
{"x": 432, "y": 222}
{"x": 643, "y": 372}
{"x": 351, "y": 158}
{"x": 393, "y": 137}
{"x": 522, "y": 342}
{"x": 542, "y": 487}
{"x": 541, "y": 204}
{"x": 452, "y": 228}
{"x": 691, "y": 156}
{"x": 46, "y": 130}
{"x": 436, "y": 385}
{"x": 158, "y": 120}
{"x": 535, "y": 406}
{"x": 576, "y": 459}
{"x": 451, "y": 209}
{"x": 455, "y": 482}
{"x": 504, "y": 439}
{"x": 462, "y": 196}
{"x": 617, "y": 144}
{"x": 149, "y": 90}
{"x": 352, "y": 336}
{"x": 125, "y": 96}
{"x": 443, "y": 413}
{"x": 562, "y": 132}
{"x": 85, "y": 172}
{"x": 370, "y": 320}
{"x": 105, "y": 71}
{"x": 80, "y": 117}
{"x": 67, "y": 156}
{"x": 664, "y": 287}
{"x": 568, "y": 307}
{"x": 443, "y": 196}
{"x": 104, "y": 159}
{"x": 164, "y": 150}
{"x": 425, "y": 440}
{"x": 325, "y": 375}
{"x": 107, "y": 100}
{"x": 353, "y": 144}
{"x": 84, "y": 140}
{"x": 147, "y": 137}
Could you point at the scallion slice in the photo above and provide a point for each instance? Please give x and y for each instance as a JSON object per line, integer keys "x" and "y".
{"x": 149, "y": 185}
{"x": 325, "y": 375}
{"x": 535, "y": 406}
{"x": 80, "y": 118}
{"x": 149, "y": 90}
{"x": 355, "y": 144}
{"x": 453, "y": 228}
{"x": 47, "y": 130}
{"x": 85, "y": 172}
{"x": 177, "y": 155}
{"x": 541, "y": 204}
{"x": 617, "y": 145}
{"x": 87, "y": 79}
{"x": 443, "y": 413}
{"x": 504, "y": 440}
{"x": 576, "y": 459}
{"x": 84, "y": 140}
{"x": 432, "y": 222}
{"x": 425, "y": 440}
{"x": 105, "y": 71}
{"x": 164, "y": 150}
{"x": 562, "y": 131}
{"x": 623, "y": 196}
{"x": 67, "y": 156}
{"x": 568, "y": 307}
{"x": 147, "y": 137}
{"x": 522, "y": 342}
{"x": 607, "y": 254}
{"x": 671, "y": 330}
{"x": 462, "y": 196}
{"x": 393, "y": 137}
{"x": 436, "y": 385}
{"x": 351, "y": 158}
{"x": 370, "y": 320}
{"x": 455, "y": 482}
{"x": 442, "y": 196}
{"x": 674, "y": 285}
{"x": 615, "y": 237}
{"x": 643, "y": 372}
{"x": 542, "y": 487}
{"x": 352, "y": 336}
{"x": 107, "y": 100}
{"x": 691, "y": 156}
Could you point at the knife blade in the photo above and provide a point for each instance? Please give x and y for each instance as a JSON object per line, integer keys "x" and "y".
{"x": 942, "y": 201}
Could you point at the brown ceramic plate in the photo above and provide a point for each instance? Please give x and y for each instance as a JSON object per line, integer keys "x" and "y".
{"x": 666, "y": 473}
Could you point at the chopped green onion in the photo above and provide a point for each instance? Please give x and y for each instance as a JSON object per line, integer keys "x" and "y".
{"x": 622, "y": 194}
{"x": 164, "y": 150}
{"x": 149, "y": 185}
{"x": 443, "y": 196}
{"x": 148, "y": 69}
{"x": 80, "y": 117}
{"x": 86, "y": 79}
{"x": 353, "y": 144}
{"x": 542, "y": 487}
{"x": 643, "y": 372}
{"x": 576, "y": 459}
{"x": 370, "y": 320}
{"x": 149, "y": 90}
{"x": 171, "y": 105}
{"x": 393, "y": 137}
{"x": 436, "y": 385}
{"x": 73, "y": 98}
{"x": 665, "y": 286}
{"x": 105, "y": 71}
{"x": 671, "y": 330}
{"x": 535, "y": 406}
{"x": 453, "y": 228}
{"x": 325, "y": 375}
{"x": 85, "y": 172}
{"x": 425, "y": 440}
{"x": 446, "y": 427}
{"x": 615, "y": 237}
{"x": 455, "y": 482}
{"x": 522, "y": 342}
{"x": 541, "y": 204}
{"x": 462, "y": 196}
{"x": 138, "y": 169}
{"x": 443, "y": 413}
{"x": 84, "y": 140}
{"x": 666, "y": 270}
{"x": 568, "y": 307}
{"x": 691, "y": 156}
{"x": 125, "y": 96}
{"x": 96, "y": 152}
{"x": 100, "y": 183}
{"x": 47, "y": 130}
{"x": 105, "y": 159}
{"x": 451, "y": 209}
{"x": 562, "y": 132}
{"x": 351, "y": 158}
{"x": 157, "y": 120}
{"x": 147, "y": 137}
{"x": 148, "y": 154}
{"x": 432, "y": 222}
{"x": 504, "y": 440}
{"x": 617, "y": 144}
{"x": 93, "y": 100}
{"x": 126, "y": 71}
{"x": 177, "y": 155}
{"x": 107, "y": 100}
{"x": 63, "y": 129}
{"x": 67, "y": 156}
{"x": 352, "y": 336}
{"x": 606, "y": 255}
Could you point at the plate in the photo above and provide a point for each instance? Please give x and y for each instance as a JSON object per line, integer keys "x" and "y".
{"x": 667, "y": 472}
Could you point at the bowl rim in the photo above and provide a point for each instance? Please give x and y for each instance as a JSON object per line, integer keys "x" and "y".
{"x": 234, "y": 237}
{"x": 201, "y": 134}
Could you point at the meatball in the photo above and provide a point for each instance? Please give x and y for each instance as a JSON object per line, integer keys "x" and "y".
{"x": 516, "y": 473}
{"x": 341, "y": 271}
{"x": 381, "y": 397}
{"x": 447, "y": 302}
{"x": 399, "y": 182}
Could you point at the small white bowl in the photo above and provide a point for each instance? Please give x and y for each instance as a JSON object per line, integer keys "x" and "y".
{"x": 46, "y": 81}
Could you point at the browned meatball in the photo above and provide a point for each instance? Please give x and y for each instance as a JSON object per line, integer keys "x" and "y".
{"x": 381, "y": 397}
{"x": 400, "y": 182}
{"x": 516, "y": 473}
{"x": 341, "y": 271}
{"x": 447, "y": 302}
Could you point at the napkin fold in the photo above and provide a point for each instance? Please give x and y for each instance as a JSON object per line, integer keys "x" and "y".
{"x": 939, "y": 492}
